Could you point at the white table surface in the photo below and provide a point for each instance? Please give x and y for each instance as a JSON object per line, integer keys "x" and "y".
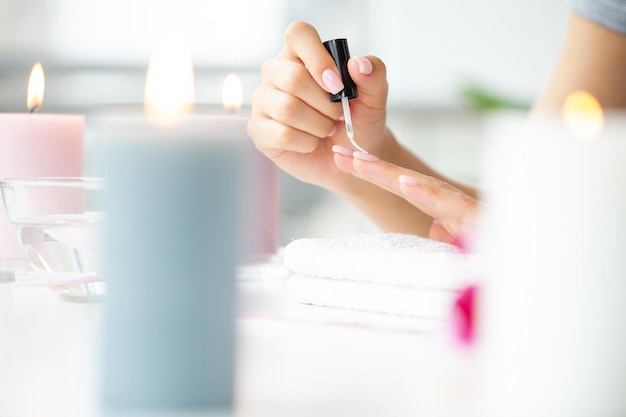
{"x": 287, "y": 365}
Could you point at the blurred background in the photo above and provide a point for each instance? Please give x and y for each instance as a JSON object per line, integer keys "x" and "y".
{"x": 456, "y": 68}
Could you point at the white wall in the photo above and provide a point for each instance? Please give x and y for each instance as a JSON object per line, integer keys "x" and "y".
{"x": 123, "y": 32}
{"x": 234, "y": 32}
{"x": 432, "y": 47}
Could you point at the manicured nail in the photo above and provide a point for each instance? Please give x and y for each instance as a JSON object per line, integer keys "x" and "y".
{"x": 405, "y": 179}
{"x": 342, "y": 150}
{"x": 365, "y": 156}
{"x": 365, "y": 66}
{"x": 332, "y": 81}
{"x": 332, "y": 131}
{"x": 342, "y": 118}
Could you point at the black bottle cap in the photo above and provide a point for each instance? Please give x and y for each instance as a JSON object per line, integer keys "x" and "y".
{"x": 338, "y": 49}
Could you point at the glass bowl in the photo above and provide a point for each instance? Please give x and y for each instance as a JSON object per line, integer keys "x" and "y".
{"x": 59, "y": 223}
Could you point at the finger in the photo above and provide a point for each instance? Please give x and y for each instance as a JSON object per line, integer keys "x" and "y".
{"x": 444, "y": 202}
{"x": 294, "y": 79}
{"x": 302, "y": 42}
{"x": 370, "y": 75}
{"x": 438, "y": 232}
{"x": 273, "y": 138}
{"x": 456, "y": 210}
{"x": 381, "y": 173}
{"x": 344, "y": 159}
{"x": 452, "y": 207}
{"x": 387, "y": 175}
{"x": 292, "y": 111}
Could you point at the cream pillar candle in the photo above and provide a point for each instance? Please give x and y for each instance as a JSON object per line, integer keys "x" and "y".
{"x": 552, "y": 309}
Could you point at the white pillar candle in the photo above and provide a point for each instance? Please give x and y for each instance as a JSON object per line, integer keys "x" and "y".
{"x": 36, "y": 145}
{"x": 552, "y": 327}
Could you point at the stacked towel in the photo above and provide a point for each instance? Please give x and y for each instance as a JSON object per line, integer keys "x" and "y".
{"x": 389, "y": 273}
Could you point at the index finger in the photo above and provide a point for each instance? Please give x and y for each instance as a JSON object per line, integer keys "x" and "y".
{"x": 456, "y": 210}
{"x": 302, "y": 42}
{"x": 433, "y": 196}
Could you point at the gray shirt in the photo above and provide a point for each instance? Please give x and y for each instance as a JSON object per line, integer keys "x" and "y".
{"x": 608, "y": 13}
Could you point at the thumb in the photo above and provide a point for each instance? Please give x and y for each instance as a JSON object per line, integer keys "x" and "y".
{"x": 370, "y": 75}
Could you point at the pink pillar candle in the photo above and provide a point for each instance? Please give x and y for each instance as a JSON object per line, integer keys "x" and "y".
{"x": 36, "y": 145}
{"x": 261, "y": 196}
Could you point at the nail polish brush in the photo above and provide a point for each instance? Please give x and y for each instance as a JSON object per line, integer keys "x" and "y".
{"x": 338, "y": 49}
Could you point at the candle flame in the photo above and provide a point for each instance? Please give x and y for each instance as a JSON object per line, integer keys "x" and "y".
{"x": 35, "y": 87}
{"x": 582, "y": 115}
{"x": 232, "y": 93}
{"x": 169, "y": 90}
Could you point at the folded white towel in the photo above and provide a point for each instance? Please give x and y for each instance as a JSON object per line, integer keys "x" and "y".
{"x": 371, "y": 298}
{"x": 389, "y": 273}
{"x": 386, "y": 258}
{"x": 309, "y": 313}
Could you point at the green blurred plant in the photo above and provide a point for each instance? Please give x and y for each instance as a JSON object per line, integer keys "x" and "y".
{"x": 483, "y": 99}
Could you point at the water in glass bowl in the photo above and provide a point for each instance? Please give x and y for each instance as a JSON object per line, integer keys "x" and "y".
{"x": 65, "y": 251}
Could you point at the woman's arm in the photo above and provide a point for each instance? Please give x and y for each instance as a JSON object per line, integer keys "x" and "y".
{"x": 593, "y": 59}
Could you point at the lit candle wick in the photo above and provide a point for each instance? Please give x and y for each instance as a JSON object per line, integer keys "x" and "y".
{"x": 348, "y": 118}
{"x": 35, "y": 88}
{"x": 232, "y": 94}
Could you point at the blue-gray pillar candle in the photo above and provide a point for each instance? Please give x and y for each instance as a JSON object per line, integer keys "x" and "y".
{"x": 171, "y": 250}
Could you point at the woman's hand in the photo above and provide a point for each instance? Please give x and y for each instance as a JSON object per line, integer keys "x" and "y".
{"x": 454, "y": 212}
{"x": 295, "y": 124}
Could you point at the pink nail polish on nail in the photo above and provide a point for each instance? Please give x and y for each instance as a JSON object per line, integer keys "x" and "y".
{"x": 342, "y": 150}
{"x": 365, "y": 156}
{"x": 405, "y": 179}
{"x": 332, "y": 81}
{"x": 365, "y": 66}
{"x": 332, "y": 131}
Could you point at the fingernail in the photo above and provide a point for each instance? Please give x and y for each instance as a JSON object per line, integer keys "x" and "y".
{"x": 405, "y": 179}
{"x": 332, "y": 81}
{"x": 342, "y": 150}
{"x": 332, "y": 131}
{"x": 342, "y": 118}
{"x": 365, "y": 66}
{"x": 365, "y": 156}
